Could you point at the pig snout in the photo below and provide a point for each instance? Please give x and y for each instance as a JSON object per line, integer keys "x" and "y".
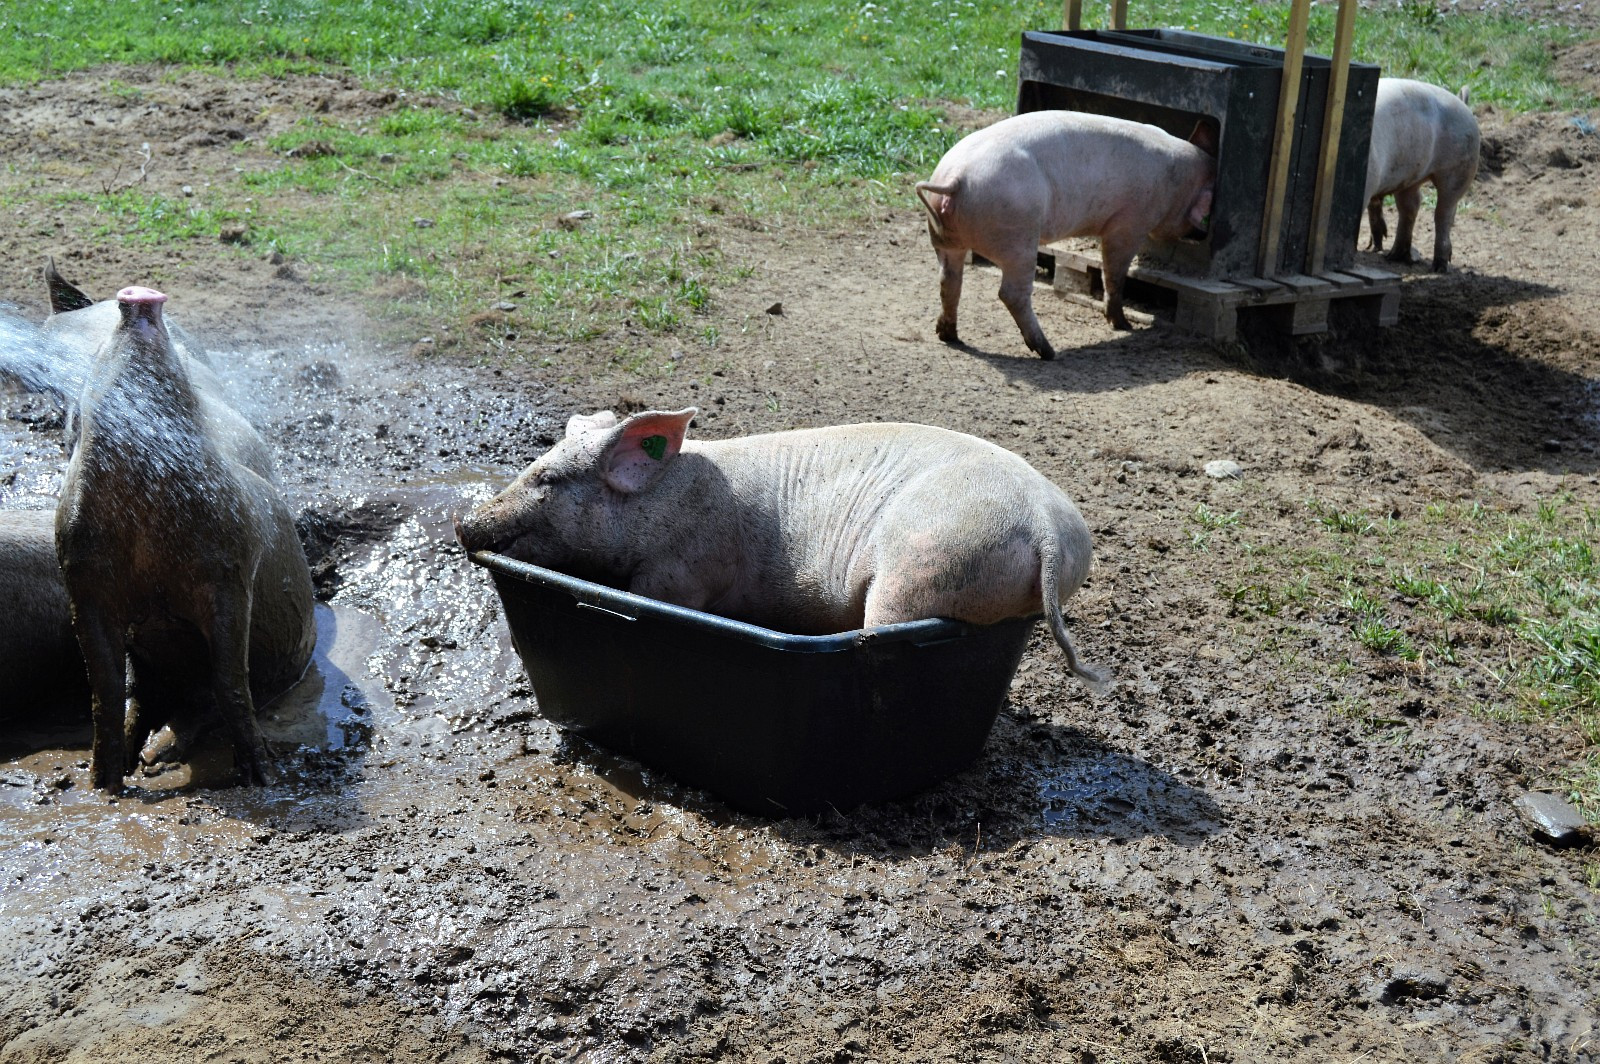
{"x": 480, "y": 529}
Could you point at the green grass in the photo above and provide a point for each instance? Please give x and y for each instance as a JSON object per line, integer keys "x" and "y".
{"x": 1527, "y": 589}
{"x": 651, "y": 116}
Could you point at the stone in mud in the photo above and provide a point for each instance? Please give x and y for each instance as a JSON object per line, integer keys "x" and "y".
{"x": 1553, "y": 819}
{"x": 1224, "y": 469}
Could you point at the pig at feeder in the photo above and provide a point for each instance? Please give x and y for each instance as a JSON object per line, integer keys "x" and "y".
{"x": 1420, "y": 133}
{"x": 1048, "y": 175}
{"x": 812, "y": 531}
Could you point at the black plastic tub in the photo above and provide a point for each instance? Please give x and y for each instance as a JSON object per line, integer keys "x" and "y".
{"x": 775, "y": 724}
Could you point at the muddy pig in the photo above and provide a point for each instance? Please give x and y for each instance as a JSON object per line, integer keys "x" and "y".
{"x": 178, "y": 553}
{"x": 1420, "y": 133}
{"x": 1048, "y": 175}
{"x": 812, "y": 531}
{"x": 38, "y": 654}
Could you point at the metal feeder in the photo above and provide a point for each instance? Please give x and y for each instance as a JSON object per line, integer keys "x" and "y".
{"x": 1291, "y": 167}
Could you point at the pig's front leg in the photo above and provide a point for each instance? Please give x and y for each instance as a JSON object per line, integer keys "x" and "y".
{"x": 1116, "y": 255}
{"x": 1016, "y": 292}
{"x": 107, "y": 663}
{"x": 952, "y": 264}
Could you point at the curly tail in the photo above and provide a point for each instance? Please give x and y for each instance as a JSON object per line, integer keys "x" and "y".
{"x": 934, "y": 223}
{"x": 1098, "y": 681}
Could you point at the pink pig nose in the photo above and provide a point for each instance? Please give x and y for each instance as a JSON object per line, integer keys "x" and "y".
{"x": 139, "y": 294}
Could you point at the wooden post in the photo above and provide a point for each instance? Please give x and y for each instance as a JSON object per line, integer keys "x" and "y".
{"x": 1072, "y": 14}
{"x": 1332, "y": 127}
{"x": 1294, "y": 52}
{"x": 1119, "y": 14}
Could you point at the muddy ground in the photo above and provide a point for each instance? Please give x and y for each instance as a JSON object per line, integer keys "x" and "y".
{"x": 1214, "y": 863}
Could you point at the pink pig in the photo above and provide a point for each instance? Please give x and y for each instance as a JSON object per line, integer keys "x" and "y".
{"x": 1048, "y": 175}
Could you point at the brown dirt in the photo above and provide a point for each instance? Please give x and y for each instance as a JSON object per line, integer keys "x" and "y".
{"x": 1211, "y": 864}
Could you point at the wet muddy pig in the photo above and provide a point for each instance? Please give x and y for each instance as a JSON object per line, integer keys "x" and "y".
{"x": 177, "y": 550}
{"x": 812, "y": 531}
{"x": 1420, "y": 133}
{"x": 38, "y": 654}
{"x": 1048, "y": 175}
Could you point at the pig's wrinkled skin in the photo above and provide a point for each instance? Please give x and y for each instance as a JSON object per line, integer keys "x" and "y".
{"x": 1049, "y": 175}
{"x": 812, "y": 531}
{"x": 38, "y": 653}
{"x": 1420, "y": 133}
{"x": 178, "y": 553}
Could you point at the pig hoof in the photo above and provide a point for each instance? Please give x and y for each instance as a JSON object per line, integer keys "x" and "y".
{"x": 1121, "y": 324}
{"x": 947, "y": 333}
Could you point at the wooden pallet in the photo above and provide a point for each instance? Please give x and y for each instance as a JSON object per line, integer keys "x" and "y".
{"x": 1296, "y": 303}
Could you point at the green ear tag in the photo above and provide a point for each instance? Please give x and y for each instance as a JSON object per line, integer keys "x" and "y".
{"x": 654, "y": 446}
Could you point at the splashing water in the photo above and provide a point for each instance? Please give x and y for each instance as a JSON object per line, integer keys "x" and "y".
{"x": 39, "y": 362}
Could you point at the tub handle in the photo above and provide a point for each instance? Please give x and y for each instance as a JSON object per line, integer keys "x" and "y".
{"x": 602, "y": 609}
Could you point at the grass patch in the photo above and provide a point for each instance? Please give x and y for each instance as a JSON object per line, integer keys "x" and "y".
{"x": 792, "y": 111}
{"x": 1509, "y": 593}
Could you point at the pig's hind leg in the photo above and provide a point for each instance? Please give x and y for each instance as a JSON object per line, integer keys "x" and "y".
{"x": 1450, "y": 189}
{"x": 1016, "y": 292}
{"x": 1377, "y": 230}
{"x": 1407, "y": 201}
{"x": 229, "y": 635}
{"x": 952, "y": 264}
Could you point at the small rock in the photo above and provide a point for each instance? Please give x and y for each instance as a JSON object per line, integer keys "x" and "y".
{"x": 423, "y": 223}
{"x": 1551, "y": 446}
{"x": 1553, "y": 819}
{"x": 571, "y": 219}
{"x": 776, "y": 310}
{"x": 1224, "y": 469}
{"x": 234, "y": 234}
{"x": 188, "y": 190}
{"x": 505, "y": 305}
{"x": 386, "y": 157}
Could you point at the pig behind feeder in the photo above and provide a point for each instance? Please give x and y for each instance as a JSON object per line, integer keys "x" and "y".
{"x": 179, "y": 556}
{"x": 1420, "y": 133}
{"x": 812, "y": 531}
{"x": 1048, "y": 175}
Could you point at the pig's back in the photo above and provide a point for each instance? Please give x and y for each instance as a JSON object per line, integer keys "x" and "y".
{"x": 815, "y": 505}
{"x": 1072, "y": 171}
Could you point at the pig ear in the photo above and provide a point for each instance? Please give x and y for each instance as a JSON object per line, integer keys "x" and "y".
{"x": 1204, "y": 137}
{"x": 643, "y": 446}
{"x": 578, "y": 424}
{"x": 64, "y": 295}
{"x": 1200, "y": 211}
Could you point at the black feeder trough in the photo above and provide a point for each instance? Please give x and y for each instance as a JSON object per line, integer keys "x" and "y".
{"x": 772, "y": 724}
{"x": 1283, "y": 232}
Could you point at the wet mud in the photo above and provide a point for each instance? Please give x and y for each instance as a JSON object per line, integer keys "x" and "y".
{"x": 1215, "y": 862}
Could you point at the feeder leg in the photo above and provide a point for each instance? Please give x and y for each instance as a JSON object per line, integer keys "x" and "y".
{"x": 951, "y": 266}
{"x": 1016, "y": 292}
{"x": 1408, "y": 201}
